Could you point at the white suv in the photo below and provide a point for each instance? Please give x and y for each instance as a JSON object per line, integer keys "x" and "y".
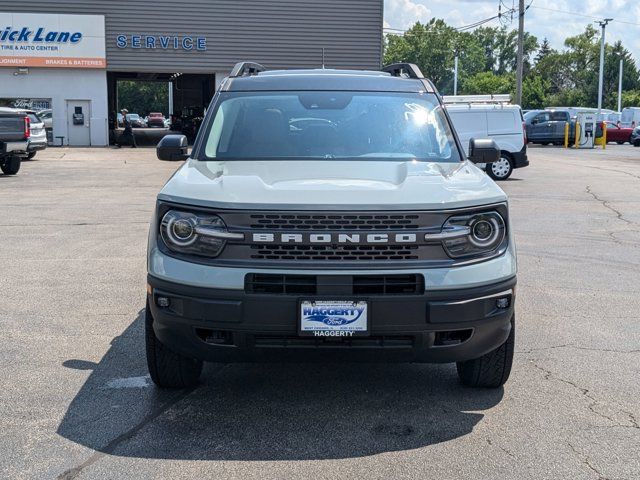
{"x": 329, "y": 215}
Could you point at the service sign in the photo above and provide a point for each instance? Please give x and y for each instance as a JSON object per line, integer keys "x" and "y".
{"x": 52, "y": 40}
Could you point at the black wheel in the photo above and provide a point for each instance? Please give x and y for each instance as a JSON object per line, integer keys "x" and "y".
{"x": 492, "y": 369}
{"x": 31, "y": 155}
{"x": 502, "y": 169}
{"x": 545, "y": 143}
{"x": 636, "y": 143}
{"x": 11, "y": 166}
{"x": 620, "y": 143}
{"x": 167, "y": 368}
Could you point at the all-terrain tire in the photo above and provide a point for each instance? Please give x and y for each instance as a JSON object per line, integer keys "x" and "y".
{"x": 11, "y": 166}
{"x": 492, "y": 369}
{"x": 167, "y": 368}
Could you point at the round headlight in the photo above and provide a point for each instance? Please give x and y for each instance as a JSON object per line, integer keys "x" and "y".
{"x": 179, "y": 228}
{"x": 484, "y": 231}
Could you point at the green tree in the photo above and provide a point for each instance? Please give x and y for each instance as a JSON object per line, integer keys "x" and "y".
{"x": 143, "y": 97}
{"x": 430, "y": 46}
{"x": 489, "y": 83}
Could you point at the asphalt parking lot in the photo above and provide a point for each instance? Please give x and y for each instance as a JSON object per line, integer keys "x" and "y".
{"x": 76, "y": 401}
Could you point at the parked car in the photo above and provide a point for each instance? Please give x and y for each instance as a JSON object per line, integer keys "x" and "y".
{"x": 47, "y": 117}
{"x": 15, "y": 130}
{"x": 502, "y": 123}
{"x": 136, "y": 120}
{"x": 155, "y": 119}
{"x": 546, "y": 126}
{"x": 38, "y": 137}
{"x": 635, "y": 137}
{"x": 340, "y": 220}
{"x": 618, "y": 134}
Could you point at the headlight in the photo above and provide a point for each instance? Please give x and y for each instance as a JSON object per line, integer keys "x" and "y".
{"x": 197, "y": 234}
{"x": 471, "y": 235}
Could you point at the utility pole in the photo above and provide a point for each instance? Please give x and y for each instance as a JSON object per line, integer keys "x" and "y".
{"x": 455, "y": 74}
{"x": 520, "y": 59}
{"x": 620, "y": 86}
{"x": 603, "y": 24}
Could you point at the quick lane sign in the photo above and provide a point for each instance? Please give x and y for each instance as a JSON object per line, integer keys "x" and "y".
{"x": 52, "y": 40}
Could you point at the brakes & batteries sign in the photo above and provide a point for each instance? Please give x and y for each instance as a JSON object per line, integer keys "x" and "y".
{"x": 52, "y": 40}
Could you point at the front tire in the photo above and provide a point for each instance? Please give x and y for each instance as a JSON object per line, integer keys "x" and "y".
{"x": 167, "y": 368}
{"x": 30, "y": 155}
{"x": 11, "y": 166}
{"x": 502, "y": 169}
{"x": 492, "y": 369}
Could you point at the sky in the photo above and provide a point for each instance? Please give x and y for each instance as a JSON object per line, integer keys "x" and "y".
{"x": 538, "y": 20}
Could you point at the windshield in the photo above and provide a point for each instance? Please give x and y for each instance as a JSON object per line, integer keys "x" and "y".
{"x": 330, "y": 125}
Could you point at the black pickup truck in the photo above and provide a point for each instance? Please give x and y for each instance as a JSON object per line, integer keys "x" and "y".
{"x": 14, "y": 139}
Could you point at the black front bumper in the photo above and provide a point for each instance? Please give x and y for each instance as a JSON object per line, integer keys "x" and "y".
{"x": 233, "y": 326}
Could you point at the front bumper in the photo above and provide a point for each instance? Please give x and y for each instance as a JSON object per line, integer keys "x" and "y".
{"x": 224, "y": 325}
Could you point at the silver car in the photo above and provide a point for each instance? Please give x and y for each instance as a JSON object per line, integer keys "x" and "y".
{"x": 38, "y": 136}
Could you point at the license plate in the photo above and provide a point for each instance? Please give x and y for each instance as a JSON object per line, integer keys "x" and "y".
{"x": 333, "y": 318}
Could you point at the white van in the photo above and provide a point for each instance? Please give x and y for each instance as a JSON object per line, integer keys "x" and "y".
{"x": 476, "y": 117}
{"x": 630, "y": 117}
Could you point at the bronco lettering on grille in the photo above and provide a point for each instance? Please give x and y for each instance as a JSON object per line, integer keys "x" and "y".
{"x": 335, "y": 238}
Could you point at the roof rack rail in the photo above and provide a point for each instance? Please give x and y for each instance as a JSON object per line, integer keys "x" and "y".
{"x": 246, "y": 69}
{"x": 403, "y": 70}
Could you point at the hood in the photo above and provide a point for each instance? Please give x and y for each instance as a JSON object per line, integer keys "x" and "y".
{"x": 331, "y": 184}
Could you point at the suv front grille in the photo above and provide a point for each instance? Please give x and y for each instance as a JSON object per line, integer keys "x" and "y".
{"x": 335, "y": 252}
{"x": 312, "y": 221}
{"x": 268, "y": 283}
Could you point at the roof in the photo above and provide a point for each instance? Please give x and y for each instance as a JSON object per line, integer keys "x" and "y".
{"x": 326, "y": 79}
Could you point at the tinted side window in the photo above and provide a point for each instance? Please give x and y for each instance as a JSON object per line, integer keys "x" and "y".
{"x": 558, "y": 117}
{"x": 542, "y": 117}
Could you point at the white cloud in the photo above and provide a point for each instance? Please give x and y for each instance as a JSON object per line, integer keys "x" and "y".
{"x": 404, "y": 13}
{"x": 542, "y": 23}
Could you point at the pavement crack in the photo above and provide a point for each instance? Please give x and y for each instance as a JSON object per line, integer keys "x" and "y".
{"x": 508, "y": 452}
{"x": 607, "y": 204}
{"x": 584, "y": 459}
{"x": 110, "y": 447}
{"x": 593, "y": 401}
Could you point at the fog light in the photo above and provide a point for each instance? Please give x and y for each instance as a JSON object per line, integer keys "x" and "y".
{"x": 502, "y": 302}
{"x": 163, "y": 302}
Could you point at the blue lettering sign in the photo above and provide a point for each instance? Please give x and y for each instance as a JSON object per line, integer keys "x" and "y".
{"x": 152, "y": 42}
{"x": 121, "y": 41}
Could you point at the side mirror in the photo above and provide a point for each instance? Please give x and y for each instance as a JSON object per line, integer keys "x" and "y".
{"x": 173, "y": 147}
{"x": 483, "y": 151}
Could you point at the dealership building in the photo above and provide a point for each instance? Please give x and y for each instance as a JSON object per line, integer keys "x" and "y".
{"x": 68, "y": 56}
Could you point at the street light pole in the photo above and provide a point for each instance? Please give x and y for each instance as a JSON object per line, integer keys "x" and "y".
{"x": 620, "y": 86}
{"x": 455, "y": 75}
{"x": 520, "y": 58}
{"x": 603, "y": 24}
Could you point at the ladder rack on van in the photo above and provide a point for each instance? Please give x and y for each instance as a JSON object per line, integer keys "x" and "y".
{"x": 498, "y": 99}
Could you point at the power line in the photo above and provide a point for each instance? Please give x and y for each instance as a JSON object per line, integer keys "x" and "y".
{"x": 459, "y": 29}
{"x": 581, "y": 15}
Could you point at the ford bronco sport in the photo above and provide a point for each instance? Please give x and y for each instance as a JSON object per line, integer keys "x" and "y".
{"x": 328, "y": 215}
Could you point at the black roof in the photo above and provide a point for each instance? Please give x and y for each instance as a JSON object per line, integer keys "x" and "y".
{"x": 326, "y": 79}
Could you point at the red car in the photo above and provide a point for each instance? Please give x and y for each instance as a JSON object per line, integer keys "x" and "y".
{"x": 618, "y": 134}
{"x": 155, "y": 119}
